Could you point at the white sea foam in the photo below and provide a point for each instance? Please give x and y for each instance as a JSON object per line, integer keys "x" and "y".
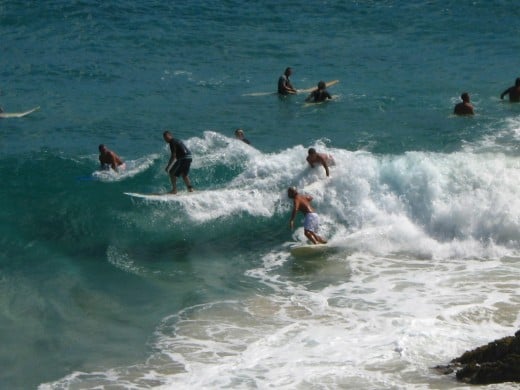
{"x": 427, "y": 268}
{"x": 429, "y": 205}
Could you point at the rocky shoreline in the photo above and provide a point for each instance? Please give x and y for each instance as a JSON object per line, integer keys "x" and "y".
{"x": 496, "y": 362}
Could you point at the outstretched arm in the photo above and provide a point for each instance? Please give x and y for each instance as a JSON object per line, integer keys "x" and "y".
{"x": 504, "y": 93}
{"x": 324, "y": 163}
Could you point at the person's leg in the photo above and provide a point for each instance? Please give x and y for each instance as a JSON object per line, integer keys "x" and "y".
{"x": 187, "y": 182}
{"x": 173, "y": 179}
{"x": 311, "y": 236}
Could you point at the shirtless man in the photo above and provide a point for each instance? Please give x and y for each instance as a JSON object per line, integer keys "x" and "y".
{"x": 464, "y": 107}
{"x": 311, "y": 223}
{"x": 319, "y": 158}
{"x": 108, "y": 159}
{"x": 513, "y": 92}
{"x": 284, "y": 84}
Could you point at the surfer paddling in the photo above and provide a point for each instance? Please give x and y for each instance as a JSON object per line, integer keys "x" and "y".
{"x": 320, "y": 94}
{"x": 311, "y": 223}
{"x": 284, "y": 84}
{"x": 109, "y": 159}
{"x": 179, "y": 163}
{"x": 323, "y": 159}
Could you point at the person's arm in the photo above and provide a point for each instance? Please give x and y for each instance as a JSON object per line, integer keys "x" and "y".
{"x": 310, "y": 162}
{"x": 288, "y": 87}
{"x": 329, "y": 96}
{"x": 504, "y": 93}
{"x": 310, "y": 97}
{"x": 170, "y": 162}
{"x": 113, "y": 161}
{"x": 293, "y": 215}
{"x": 324, "y": 164}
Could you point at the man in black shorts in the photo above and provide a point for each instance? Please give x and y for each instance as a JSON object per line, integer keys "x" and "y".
{"x": 180, "y": 161}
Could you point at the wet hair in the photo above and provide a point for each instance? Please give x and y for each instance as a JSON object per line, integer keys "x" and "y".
{"x": 292, "y": 192}
{"x": 322, "y": 85}
{"x": 239, "y": 132}
{"x": 465, "y": 96}
{"x": 311, "y": 151}
{"x": 287, "y": 70}
{"x": 101, "y": 147}
{"x": 166, "y": 132}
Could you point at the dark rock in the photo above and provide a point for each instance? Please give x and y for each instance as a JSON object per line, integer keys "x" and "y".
{"x": 496, "y": 362}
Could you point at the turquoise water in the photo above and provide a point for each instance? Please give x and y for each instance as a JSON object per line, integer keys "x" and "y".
{"x": 101, "y": 289}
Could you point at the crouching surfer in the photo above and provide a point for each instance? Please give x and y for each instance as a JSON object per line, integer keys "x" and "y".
{"x": 311, "y": 223}
{"x": 109, "y": 159}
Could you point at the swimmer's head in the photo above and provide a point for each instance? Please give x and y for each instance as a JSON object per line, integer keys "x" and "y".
{"x": 322, "y": 85}
{"x": 292, "y": 192}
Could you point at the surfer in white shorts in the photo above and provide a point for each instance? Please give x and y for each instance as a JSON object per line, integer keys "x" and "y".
{"x": 311, "y": 223}
{"x": 109, "y": 159}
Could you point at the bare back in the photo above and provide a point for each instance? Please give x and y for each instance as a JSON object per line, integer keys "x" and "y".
{"x": 303, "y": 203}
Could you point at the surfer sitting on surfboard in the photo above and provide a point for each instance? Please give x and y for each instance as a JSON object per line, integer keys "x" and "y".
{"x": 320, "y": 94}
{"x": 311, "y": 223}
{"x": 319, "y": 158}
{"x": 284, "y": 84}
{"x": 108, "y": 159}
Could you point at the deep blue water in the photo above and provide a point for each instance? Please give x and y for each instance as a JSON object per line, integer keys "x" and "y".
{"x": 89, "y": 277}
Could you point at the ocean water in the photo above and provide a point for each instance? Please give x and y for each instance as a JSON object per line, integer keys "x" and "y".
{"x": 102, "y": 290}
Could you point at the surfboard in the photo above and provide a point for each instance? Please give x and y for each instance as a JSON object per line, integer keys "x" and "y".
{"x": 309, "y": 90}
{"x": 163, "y": 197}
{"x": 308, "y": 250}
{"x": 306, "y": 90}
{"x": 18, "y": 114}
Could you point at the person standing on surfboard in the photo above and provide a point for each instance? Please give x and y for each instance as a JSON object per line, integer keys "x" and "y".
{"x": 284, "y": 84}
{"x": 179, "y": 163}
{"x": 320, "y": 94}
{"x": 311, "y": 223}
{"x": 323, "y": 159}
{"x": 464, "y": 107}
{"x": 108, "y": 159}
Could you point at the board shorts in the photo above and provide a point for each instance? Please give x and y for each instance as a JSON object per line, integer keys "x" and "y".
{"x": 311, "y": 222}
{"x": 181, "y": 167}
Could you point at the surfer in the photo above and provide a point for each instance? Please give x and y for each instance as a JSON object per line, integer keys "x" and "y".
{"x": 108, "y": 159}
{"x": 239, "y": 133}
{"x": 513, "y": 92}
{"x": 311, "y": 223}
{"x": 464, "y": 107}
{"x": 284, "y": 83}
{"x": 325, "y": 160}
{"x": 179, "y": 163}
{"x": 320, "y": 94}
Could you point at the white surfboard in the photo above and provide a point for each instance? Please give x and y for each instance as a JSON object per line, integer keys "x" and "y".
{"x": 18, "y": 114}
{"x": 164, "y": 197}
{"x": 309, "y": 250}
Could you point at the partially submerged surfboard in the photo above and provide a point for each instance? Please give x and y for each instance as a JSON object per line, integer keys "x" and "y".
{"x": 18, "y": 114}
{"x": 309, "y": 90}
{"x": 306, "y": 90}
{"x": 309, "y": 250}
